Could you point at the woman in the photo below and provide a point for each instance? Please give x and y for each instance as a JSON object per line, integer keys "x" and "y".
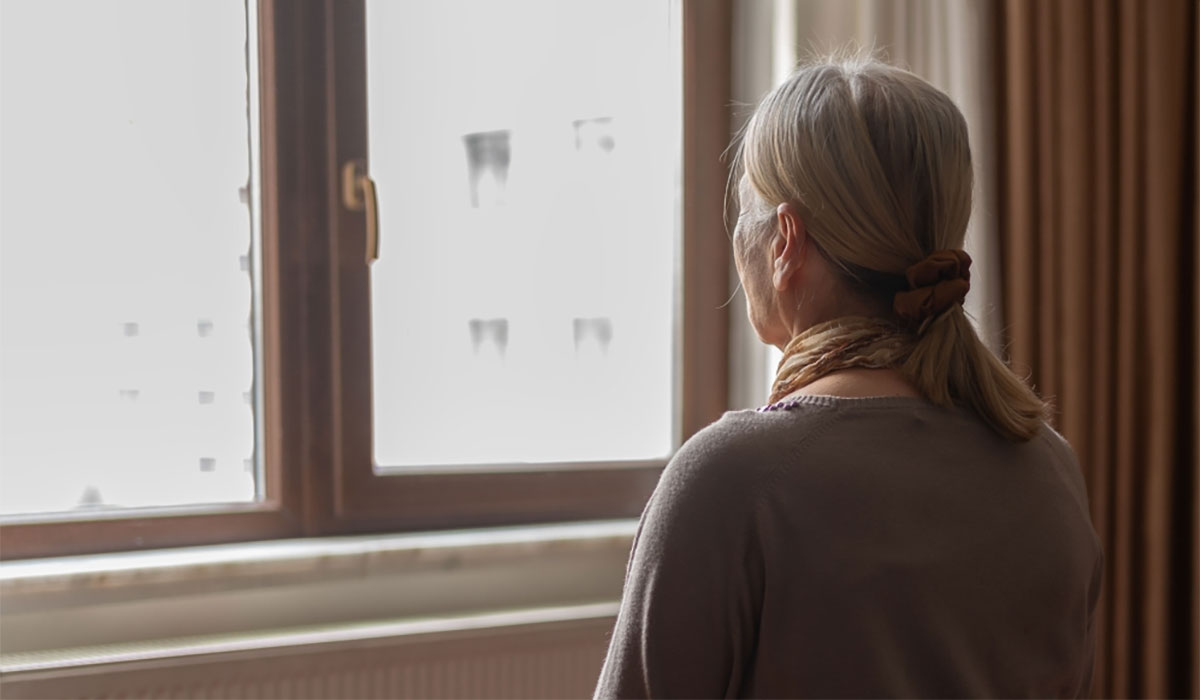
{"x": 899, "y": 521}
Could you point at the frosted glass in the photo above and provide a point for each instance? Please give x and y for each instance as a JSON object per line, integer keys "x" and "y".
{"x": 126, "y": 261}
{"x": 526, "y": 155}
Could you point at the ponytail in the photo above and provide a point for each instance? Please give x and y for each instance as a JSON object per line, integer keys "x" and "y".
{"x": 949, "y": 364}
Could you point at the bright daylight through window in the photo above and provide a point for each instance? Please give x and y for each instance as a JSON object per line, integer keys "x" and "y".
{"x": 128, "y": 262}
{"x": 524, "y": 305}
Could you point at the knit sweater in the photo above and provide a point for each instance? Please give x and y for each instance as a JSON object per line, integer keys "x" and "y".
{"x": 871, "y": 547}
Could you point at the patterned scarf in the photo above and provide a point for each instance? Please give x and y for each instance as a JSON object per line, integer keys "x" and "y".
{"x": 850, "y": 341}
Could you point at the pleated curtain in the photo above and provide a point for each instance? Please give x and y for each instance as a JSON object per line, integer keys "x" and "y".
{"x": 1097, "y": 225}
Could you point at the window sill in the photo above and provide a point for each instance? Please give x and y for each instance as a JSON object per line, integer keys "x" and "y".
{"x": 319, "y": 583}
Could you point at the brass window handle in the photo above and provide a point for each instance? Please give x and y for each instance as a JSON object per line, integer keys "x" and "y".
{"x": 358, "y": 194}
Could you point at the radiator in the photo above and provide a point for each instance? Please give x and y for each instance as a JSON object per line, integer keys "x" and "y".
{"x": 552, "y": 653}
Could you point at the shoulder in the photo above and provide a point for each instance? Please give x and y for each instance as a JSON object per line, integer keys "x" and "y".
{"x": 1062, "y": 456}
{"x": 750, "y": 430}
{"x": 708, "y": 498}
{"x": 731, "y": 457}
{"x": 1057, "y": 445}
{"x": 1066, "y": 465}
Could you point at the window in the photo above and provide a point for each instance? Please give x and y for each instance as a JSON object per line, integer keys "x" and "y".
{"x": 128, "y": 318}
{"x": 346, "y": 429}
{"x": 531, "y": 227}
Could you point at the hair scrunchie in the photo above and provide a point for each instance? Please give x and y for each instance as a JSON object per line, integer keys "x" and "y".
{"x": 936, "y": 283}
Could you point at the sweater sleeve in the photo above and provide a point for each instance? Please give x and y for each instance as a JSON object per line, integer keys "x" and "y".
{"x": 688, "y": 619}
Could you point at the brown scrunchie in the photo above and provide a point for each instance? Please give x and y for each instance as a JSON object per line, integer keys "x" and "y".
{"x": 937, "y": 283}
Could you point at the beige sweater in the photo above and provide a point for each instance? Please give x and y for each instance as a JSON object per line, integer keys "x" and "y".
{"x": 877, "y": 547}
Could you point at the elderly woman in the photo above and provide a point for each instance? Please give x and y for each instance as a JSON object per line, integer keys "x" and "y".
{"x": 899, "y": 520}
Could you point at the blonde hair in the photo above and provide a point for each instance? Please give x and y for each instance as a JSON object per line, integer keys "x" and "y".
{"x": 877, "y": 161}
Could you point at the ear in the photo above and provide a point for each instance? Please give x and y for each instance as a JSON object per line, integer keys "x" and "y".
{"x": 788, "y": 248}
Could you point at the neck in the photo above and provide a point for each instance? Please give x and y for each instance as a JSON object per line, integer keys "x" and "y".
{"x": 873, "y": 347}
{"x": 858, "y": 383}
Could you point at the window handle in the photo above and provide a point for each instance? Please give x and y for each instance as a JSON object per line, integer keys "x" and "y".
{"x": 358, "y": 194}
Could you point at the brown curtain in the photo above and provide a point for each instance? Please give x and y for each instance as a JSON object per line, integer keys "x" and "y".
{"x": 1097, "y": 146}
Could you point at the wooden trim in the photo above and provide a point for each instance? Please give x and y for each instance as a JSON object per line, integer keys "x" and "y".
{"x": 138, "y": 529}
{"x": 290, "y": 179}
{"x": 707, "y": 91}
{"x": 433, "y": 501}
{"x": 347, "y": 77}
{"x": 305, "y": 433}
{"x": 272, "y": 334}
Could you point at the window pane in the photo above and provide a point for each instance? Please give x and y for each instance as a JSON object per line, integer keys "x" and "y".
{"x": 526, "y": 155}
{"x": 126, "y": 256}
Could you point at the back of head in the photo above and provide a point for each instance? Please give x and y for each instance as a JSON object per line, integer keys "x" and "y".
{"x": 878, "y": 163}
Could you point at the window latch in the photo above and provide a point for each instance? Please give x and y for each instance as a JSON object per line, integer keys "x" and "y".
{"x": 358, "y": 194}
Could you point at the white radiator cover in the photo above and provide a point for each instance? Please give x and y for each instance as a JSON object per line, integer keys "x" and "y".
{"x": 521, "y": 612}
{"x": 552, "y": 658}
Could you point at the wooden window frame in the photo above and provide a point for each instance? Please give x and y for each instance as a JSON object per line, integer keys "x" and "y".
{"x": 316, "y": 335}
